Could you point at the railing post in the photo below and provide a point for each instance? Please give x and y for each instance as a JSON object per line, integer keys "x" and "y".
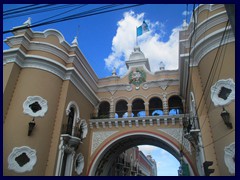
{"x": 165, "y": 121}
{"x": 158, "y": 122}
{"x": 136, "y": 122}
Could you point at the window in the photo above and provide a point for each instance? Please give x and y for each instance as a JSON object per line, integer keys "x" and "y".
{"x": 22, "y": 159}
{"x": 35, "y": 106}
{"x": 223, "y": 92}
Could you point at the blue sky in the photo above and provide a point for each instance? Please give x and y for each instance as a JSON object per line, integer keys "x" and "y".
{"x": 167, "y": 164}
{"x": 106, "y": 40}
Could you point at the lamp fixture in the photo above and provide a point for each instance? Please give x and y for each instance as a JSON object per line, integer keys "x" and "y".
{"x": 31, "y": 125}
{"x": 226, "y": 118}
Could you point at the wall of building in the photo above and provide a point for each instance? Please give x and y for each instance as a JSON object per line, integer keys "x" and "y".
{"x": 31, "y": 82}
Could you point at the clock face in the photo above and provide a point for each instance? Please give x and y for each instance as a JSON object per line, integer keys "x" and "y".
{"x": 137, "y": 77}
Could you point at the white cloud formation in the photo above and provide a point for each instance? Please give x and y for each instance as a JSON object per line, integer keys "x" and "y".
{"x": 150, "y": 43}
{"x": 147, "y": 149}
{"x": 184, "y": 13}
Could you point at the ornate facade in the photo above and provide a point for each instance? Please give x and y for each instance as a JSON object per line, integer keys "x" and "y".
{"x": 61, "y": 119}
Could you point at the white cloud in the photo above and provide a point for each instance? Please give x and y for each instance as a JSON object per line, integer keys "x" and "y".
{"x": 184, "y": 13}
{"x": 147, "y": 149}
{"x": 150, "y": 43}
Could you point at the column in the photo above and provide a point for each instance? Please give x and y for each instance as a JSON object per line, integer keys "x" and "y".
{"x": 146, "y": 104}
{"x": 183, "y": 102}
{"x": 129, "y": 110}
{"x": 112, "y": 109}
{"x": 165, "y": 104}
{"x": 95, "y": 113}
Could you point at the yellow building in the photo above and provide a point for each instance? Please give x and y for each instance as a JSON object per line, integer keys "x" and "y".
{"x": 61, "y": 119}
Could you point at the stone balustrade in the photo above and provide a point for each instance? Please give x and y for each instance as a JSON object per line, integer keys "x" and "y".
{"x": 164, "y": 120}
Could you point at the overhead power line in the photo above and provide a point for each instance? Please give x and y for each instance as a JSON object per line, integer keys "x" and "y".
{"x": 27, "y": 9}
{"x": 39, "y": 10}
{"x": 10, "y": 10}
{"x": 61, "y": 13}
{"x": 76, "y": 16}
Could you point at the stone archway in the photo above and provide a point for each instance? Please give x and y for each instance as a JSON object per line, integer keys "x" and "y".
{"x": 104, "y": 158}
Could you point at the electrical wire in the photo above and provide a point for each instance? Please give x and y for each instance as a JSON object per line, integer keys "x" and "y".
{"x": 73, "y": 17}
{"x": 219, "y": 138}
{"x": 212, "y": 69}
{"x": 60, "y": 13}
{"x": 25, "y": 10}
{"x": 40, "y": 10}
{"x": 14, "y": 9}
{"x": 181, "y": 145}
{"x": 206, "y": 84}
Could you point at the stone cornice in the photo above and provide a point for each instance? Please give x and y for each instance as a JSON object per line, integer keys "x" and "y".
{"x": 17, "y": 56}
{"x": 78, "y": 60}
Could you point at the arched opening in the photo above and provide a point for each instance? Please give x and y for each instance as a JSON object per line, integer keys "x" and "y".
{"x": 155, "y": 107}
{"x": 121, "y": 108}
{"x": 104, "y": 162}
{"x": 70, "y": 121}
{"x": 103, "y": 110}
{"x": 175, "y": 105}
{"x": 138, "y": 107}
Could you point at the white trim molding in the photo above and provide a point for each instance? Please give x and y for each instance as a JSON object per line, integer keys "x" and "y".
{"x": 76, "y": 120}
{"x": 33, "y": 99}
{"x": 84, "y": 128}
{"x": 79, "y": 163}
{"x": 229, "y": 157}
{"x": 18, "y": 151}
{"x": 216, "y": 89}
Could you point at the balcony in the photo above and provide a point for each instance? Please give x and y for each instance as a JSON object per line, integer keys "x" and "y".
{"x": 139, "y": 121}
{"x": 70, "y": 136}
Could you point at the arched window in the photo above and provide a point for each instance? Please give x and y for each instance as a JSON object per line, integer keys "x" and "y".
{"x": 121, "y": 108}
{"x": 155, "y": 107}
{"x": 138, "y": 107}
{"x": 175, "y": 105}
{"x": 103, "y": 110}
{"x": 72, "y": 112}
{"x": 70, "y": 121}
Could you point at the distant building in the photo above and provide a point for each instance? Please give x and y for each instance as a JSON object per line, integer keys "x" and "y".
{"x": 132, "y": 162}
{"x": 153, "y": 164}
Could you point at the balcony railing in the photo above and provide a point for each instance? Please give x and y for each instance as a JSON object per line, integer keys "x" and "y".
{"x": 139, "y": 121}
{"x": 72, "y": 131}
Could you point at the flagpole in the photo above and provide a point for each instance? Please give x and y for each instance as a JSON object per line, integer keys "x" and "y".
{"x": 136, "y": 37}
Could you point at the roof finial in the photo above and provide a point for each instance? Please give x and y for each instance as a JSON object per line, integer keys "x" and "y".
{"x": 28, "y": 22}
{"x": 161, "y": 66}
{"x": 185, "y": 24}
{"x": 75, "y": 42}
{"x": 114, "y": 72}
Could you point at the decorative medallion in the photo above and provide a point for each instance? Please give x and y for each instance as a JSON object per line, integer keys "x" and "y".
{"x": 79, "y": 163}
{"x": 35, "y": 106}
{"x": 137, "y": 77}
{"x": 229, "y": 157}
{"x": 22, "y": 159}
{"x": 83, "y": 128}
{"x": 223, "y": 92}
